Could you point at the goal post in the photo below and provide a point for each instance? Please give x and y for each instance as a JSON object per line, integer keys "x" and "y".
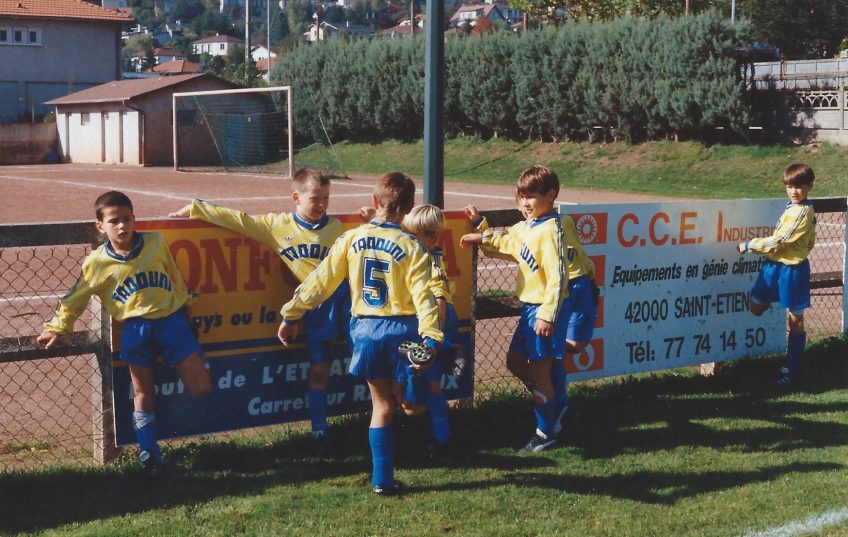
{"x": 248, "y": 129}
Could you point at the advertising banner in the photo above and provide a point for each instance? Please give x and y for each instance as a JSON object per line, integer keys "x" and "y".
{"x": 242, "y": 286}
{"x": 674, "y": 290}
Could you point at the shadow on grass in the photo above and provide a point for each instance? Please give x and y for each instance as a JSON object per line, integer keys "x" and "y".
{"x": 662, "y": 488}
{"x": 737, "y": 411}
{"x": 669, "y": 410}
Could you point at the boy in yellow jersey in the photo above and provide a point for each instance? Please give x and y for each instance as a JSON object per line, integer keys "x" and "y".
{"x": 785, "y": 275}
{"x": 424, "y": 389}
{"x": 301, "y": 239}
{"x": 582, "y": 298}
{"x": 138, "y": 283}
{"x": 538, "y": 245}
{"x": 388, "y": 271}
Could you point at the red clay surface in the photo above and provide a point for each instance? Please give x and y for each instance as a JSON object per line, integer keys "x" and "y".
{"x": 66, "y": 192}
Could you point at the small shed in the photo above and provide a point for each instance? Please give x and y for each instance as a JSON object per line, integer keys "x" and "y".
{"x": 126, "y": 121}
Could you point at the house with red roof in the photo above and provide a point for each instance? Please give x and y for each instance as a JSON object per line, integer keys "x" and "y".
{"x": 131, "y": 121}
{"x": 49, "y": 48}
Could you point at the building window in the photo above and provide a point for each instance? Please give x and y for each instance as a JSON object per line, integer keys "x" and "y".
{"x": 221, "y": 46}
{"x": 5, "y": 35}
{"x": 85, "y": 117}
{"x": 18, "y": 36}
{"x": 33, "y": 36}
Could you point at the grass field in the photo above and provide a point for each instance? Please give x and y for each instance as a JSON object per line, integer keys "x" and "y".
{"x": 663, "y": 454}
{"x": 684, "y": 169}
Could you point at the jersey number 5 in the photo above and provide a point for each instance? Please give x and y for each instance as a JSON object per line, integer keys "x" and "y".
{"x": 375, "y": 292}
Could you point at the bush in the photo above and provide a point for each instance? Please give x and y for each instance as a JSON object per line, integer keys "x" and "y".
{"x": 629, "y": 79}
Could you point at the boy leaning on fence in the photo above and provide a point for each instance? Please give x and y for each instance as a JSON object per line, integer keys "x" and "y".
{"x": 785, "y": 275}
{"x": 539, "y": 246}
{"x": 139, "y": 284}
{"x": 301, "y": 239}
{"x": 389, "y": 271}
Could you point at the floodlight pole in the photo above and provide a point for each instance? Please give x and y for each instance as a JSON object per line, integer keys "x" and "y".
{"x": 434, "y": 107}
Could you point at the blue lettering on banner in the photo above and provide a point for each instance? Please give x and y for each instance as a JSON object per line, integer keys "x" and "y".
{"x": 255, "y": 389}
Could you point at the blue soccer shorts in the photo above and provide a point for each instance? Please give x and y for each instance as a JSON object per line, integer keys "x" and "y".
{"x": 375, "y": 342}
{"x": 787, "y": 284}
{"x": 171, "y": 336}
{"x": 328, "y": 322}
{"x": 537, "y": 347}
{"x": 581, "y": 322}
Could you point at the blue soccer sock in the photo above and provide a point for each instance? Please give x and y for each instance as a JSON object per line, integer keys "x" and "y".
{"x": 382, "y": 455}
{"x": 417, "y": 386}
{"x": 144, "y": 424}
{"x": 559, "y": 380}
{"x": 317, "y": 400}
{"x": 437, "y": 405}
{"x": 544, "y": 411}
{"x": 794, "y": 352}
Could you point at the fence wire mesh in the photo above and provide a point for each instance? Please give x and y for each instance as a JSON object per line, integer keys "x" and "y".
{"x": 53, "y": 408}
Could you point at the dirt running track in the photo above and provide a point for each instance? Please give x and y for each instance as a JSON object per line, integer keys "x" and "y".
{"x": 66, "y": 192}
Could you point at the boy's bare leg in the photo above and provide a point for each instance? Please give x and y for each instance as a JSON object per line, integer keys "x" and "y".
{"x": 319, "y": 374}
{"x": 518, "y": 365}
{"x": 758, "y": 309}
{"x": 194, "y": 372}
{"x": 144, "y": 387}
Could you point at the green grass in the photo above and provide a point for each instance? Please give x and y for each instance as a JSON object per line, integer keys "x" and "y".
{"x": 661, "y": 454}
{"x": 684, "y": 169}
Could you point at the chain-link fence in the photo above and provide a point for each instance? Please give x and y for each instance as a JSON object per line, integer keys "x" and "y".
{"x": 56, "y": 405}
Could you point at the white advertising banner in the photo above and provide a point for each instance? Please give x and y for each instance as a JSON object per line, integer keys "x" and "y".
{"x": 674, "y": 290}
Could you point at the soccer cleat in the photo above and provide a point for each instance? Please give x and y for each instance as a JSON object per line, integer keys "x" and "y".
{"x": 395, "y": 489}
{"x": 538, "y": 442}
{"x": 785, "y": 378}
{"x": 149, "y": 466}
{"x": 416, "y": 353}
{"x": 436, "y": 451}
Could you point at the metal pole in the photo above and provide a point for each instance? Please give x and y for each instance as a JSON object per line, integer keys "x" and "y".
{"x": 434, "y": 89}
{"x": 246, "y": 34}
{"x": 733, "y": 11}
{"x": 268, "y": 30}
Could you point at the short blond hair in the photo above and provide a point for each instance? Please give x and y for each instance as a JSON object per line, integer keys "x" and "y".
{"x": 424, "y": 220}
{"x": 309, "y": 177}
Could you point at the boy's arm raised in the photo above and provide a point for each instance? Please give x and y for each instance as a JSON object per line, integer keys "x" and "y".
{"x": 255, "y": 227}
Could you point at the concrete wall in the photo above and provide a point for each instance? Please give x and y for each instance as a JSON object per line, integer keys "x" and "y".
{"x": 72, "y": 56}
{"x": 26, "y": 143}
{"x": 109, "y": 136}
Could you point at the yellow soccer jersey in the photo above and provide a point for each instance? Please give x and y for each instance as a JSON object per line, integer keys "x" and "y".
{"x": 440, "y": 285}
{"x": 579, "y": 263}
{"x": 538, "y": 247}
{"x": 300, "y": 245}
{"x": 794, "y": 237}
{"x": 388, "y": 270}
{"x": 146, "y": 283}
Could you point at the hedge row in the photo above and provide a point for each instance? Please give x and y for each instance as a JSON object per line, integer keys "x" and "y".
{"x": 631, "y": 78}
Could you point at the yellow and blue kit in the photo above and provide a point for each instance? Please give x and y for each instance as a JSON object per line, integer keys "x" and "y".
{"x": 145, "y": 284}
{"x": 388, "y": 271}
{"x": 539, "y": 248}
{"x": 301, "y": 245}
{"x": 581, "y": 274}
{"x": 785, "y": 276}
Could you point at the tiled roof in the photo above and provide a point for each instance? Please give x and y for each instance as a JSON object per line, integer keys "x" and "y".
{"x": 262, "y": 65}
{"x": 218, "y": 39}
{"x": 121, "y": 90}
{"x": 176, "y": 67}
{"x": 60, "y": 9}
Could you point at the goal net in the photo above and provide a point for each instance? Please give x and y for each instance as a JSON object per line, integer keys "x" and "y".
{"x": 243, "y": 130}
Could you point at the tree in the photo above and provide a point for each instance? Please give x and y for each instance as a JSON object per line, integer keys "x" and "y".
{"x": 800, "y": 29}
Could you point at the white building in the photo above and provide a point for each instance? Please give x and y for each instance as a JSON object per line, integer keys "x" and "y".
{"x": 216, "y": 45}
